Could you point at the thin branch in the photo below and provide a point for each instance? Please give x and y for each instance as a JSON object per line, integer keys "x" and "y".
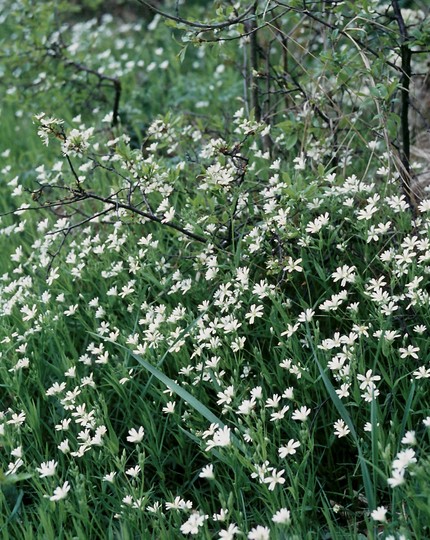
{"x": 406, "y": 55}
{"x": 57, "y": 51}
{"x": 243, "y": 34}
{"x": 102, "y": 77}
{"x": 69, "y": 228}
{"x": 250, "y": 27}
{"x": 150, "y": 217}
{"x": 54, "y": 255}
{"x": 339, "y": 30}
{"x": 42, "y": 206}
{"x": 76, "y": 177}
{"x": 202, "y": 26}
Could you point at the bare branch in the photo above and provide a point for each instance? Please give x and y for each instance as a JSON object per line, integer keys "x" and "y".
{"x": 339, "y": 30}
{"x": 251, "y": 27}
{"x": 202, "y": 26}
{"x": 102, "y": 77}
{"x": 150, "y": 217}
{"x": 405, "y": 80}
{"x": 57, "y": 51}
{"x": 80, "y": 223}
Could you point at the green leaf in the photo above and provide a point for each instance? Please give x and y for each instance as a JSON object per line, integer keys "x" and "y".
{"x": 182, "y": 53}
{"x": 179, "y": 391}
{"x": 290, "y": 141}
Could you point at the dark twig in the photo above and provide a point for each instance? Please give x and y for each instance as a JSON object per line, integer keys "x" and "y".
{"x": 69, "y": 228}
{"x": 241, "y": 35}
{"x": 76, "y": 177}
{"x": 202, "y": 26}
{"x": 44, "y": 206}
{"x": 341, "y": 32}
{"x": 250, "y": 27}
{"x": 130, "y": 207}
{"x": 116, "y": 83}
{"x": 57, "y": 252}
{"x": 151, "y": 217}
{"x": 405, "y": 54}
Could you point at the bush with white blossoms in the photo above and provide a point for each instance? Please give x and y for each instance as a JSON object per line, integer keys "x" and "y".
{"x": 203, "y": 333}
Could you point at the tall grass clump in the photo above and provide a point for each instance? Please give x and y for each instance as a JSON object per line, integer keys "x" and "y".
{"x": 214, "y": 273}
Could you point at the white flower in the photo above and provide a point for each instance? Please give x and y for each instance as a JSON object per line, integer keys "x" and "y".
{"x": 191, "y": 526}
{"x": 279, "y": 415}
{"x": 289, "y": 449}
{"x": 367, "y": 212}
{"x": 60, "y": 492}
{"x": 343, "y": 391}
{"x": 169, "y": 408}
{"x": 155, "y": 508}
{"x": 238, "y": 344}
{"x": 64, "y": 446}
{"x": 397, "y": 478}
{"x": 168, "y": 215}
{"x": 422, "y": 373}
{"x": 273, "y": 402}
{"x": 133, "y": 471}
{"x": 368, "y": 380}
{"x": 47, "y": 468}
{"x": 409, "y": 438}
{"x": 420, "y": 328}
{"x": 259, "y": 533}
{"x": 179, "y": 504}
{"x": 254, "y": 312}
{"x": 300, "y": 163}
{"x": 221, "y": 438}
{"x": 222, "y": 516}
{"x": 368, "y": 427}
{"x": 379, "y": 514}
{"x": 370, "y": 394}
{"x": 345, "y": 274}
{"x": 247, "y": 406}
{"x": 274, "y": 478}
{"x": 291, "y": 329}
{"x": 261, "y": 471}
{"x": 283, "y": 516}
{"x": 14, "y": 466}
{"x": 17, "y": 452}
{"x": 77, "y": 142}
{"x": 128, "y": 500}
{"x": 229, "y": 533}
{"x": 207, "y": 472}
{"x": 17, "y": 419}
{"x": 110, "y": 477}
{"x": 301, "y": 414}
{"x": 410, "y": 350}
{"x": 293, "y": 266}
{"x": 424, "y": 206}
{"x": 288, "y": 393}
{"x": 29, "y": 313}
{"x": 318, "y": 223}
{"x": 257, "y": 393}
{"x": 71, "y": 310}
{"x": 404, "y": 459}
{"x": 135, "y": 436}
{"x": 341, "y": 429}
{"x": 306, "y": 316}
